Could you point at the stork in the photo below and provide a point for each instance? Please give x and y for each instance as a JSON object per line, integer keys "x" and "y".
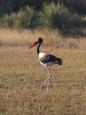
{"x": 46, "y": 60}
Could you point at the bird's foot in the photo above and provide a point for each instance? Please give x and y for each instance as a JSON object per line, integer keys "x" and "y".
{"x": 43, "y": 87}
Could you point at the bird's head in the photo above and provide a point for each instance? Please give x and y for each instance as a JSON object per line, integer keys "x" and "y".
{"x": 39, "y": 41}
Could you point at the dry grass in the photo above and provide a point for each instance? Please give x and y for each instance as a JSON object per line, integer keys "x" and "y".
{"x": 21, "y": 76}
{"x": 51, "y": 38}
{"x": 23, "y": 37}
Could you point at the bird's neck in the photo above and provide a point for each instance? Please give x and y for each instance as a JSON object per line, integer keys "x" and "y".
{"x": 38, "y": 49}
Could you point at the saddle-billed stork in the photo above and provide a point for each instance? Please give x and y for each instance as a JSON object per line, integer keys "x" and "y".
{"x": 46, "y": 60}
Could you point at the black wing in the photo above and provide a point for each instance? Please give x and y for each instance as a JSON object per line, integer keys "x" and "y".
{"x": 51, "y": 58}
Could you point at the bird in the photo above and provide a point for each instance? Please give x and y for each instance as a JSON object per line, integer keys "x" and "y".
{"x": 46, "y": 60}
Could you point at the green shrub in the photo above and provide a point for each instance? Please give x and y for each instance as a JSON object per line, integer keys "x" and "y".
{"x": 64, "y": 18}
{"x": 58, "y": 16}
{"x": 83, "y": 19}
{"x": 52, "y": 16}
{"x": 25, "y": 18}
{"x": 47, "y": 15}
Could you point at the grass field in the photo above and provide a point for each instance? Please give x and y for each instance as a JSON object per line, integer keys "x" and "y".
{"x": 21, "y": 77}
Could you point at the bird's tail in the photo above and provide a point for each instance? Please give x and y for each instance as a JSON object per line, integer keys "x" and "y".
{"x": 59, "y": 61}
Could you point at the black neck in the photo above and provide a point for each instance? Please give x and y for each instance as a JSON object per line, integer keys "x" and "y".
{"x": 38, "y": 50}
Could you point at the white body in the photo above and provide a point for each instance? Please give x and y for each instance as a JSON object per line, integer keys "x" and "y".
{"x": 41, "y": 54}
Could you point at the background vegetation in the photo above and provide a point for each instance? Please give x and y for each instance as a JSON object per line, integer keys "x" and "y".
{"x": 60, "y": 14}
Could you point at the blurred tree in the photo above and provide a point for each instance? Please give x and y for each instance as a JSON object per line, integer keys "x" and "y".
{"x": 78, "y": 6}
{"x": 37, "y": 4}
{"x": 6, "y": 6}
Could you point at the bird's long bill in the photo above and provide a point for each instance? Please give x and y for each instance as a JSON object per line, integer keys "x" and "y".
{"x": 33, "y": 44}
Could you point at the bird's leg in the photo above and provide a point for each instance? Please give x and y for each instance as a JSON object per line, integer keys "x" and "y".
{"x": 48, "y": 79}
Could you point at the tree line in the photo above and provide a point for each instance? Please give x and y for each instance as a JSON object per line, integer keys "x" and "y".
{"x": 47, "y": 13}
